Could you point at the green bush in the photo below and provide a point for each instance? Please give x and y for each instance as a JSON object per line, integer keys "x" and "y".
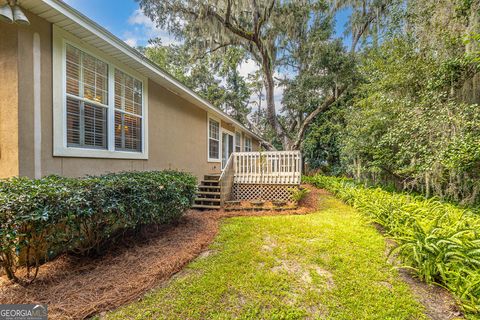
{"x": 440, "y": 241}
{"x": 41, "y": 218}
{"x": 299, "y": 193}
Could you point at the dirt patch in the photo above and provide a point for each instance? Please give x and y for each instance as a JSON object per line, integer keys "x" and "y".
{"x": 438, "y": 302}
{"x": 304, "y": 271}
{"x": 326, "y": 275}
{"x": 269, "y": 244}
{"x": 206, "y": 254}
{"x": 80, "y": 287}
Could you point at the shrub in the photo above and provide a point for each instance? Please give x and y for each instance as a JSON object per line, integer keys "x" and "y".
{"x": 440, "y": 241}
{"x": 41, "y": 218}
{"x": 299, "y": 193}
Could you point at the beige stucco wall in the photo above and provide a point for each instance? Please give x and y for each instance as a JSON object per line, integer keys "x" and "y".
{"x": 255, "y": 144}
{"x": 8, "y": 101}
{"x": 177, "y": 129}
{"x": 26, "y": 97}
{"x": 177, "y": 133}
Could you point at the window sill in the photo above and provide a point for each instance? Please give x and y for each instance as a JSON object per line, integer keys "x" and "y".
{"x": 214, "y": 160}
{"x": 96, "y": 153}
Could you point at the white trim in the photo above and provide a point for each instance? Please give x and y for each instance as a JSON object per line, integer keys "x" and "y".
{"x": 84, "y": 22}
{"x": 240, "y": 140}
{"x": 247, "y": 138}
{"x": 37, "y": 106}
{"x": 219, "y": 159}
{"x": 222, "y": 131}
{"x": 60, "y": 39}
{"x": 228, "y": 131}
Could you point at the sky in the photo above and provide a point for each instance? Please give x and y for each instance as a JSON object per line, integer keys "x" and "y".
{"x": 124, "y": 19}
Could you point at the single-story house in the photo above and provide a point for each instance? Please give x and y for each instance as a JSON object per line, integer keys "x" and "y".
{"x": 77, "y": 100}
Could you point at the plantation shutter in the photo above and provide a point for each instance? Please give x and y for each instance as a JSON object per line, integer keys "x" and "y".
{"x": 86, "y": 99}
{"x": 128, "y": 112}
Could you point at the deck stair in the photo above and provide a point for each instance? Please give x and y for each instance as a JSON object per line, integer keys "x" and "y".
{"x": 208, "y": 194}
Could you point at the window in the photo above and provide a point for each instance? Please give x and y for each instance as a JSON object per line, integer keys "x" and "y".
{"x": 99, "y": 108}
{"x": 87, "y": 100}
{"x": 238, "y": 142}
{"x": 213, "y": 139}
{"x": 128, "y": 112}
{"x": 248, "y": 144}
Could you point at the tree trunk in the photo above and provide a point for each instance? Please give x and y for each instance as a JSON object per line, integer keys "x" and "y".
{"x": 271, "y": 110}
{"x": 329, "y": 101}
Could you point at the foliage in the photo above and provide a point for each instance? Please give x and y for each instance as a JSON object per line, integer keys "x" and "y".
{"x": 286, "y": 267}
{"x": 412, "y": 119}
{"x": 406, "y": 126}
{"x": 283, "y": 37}
{"x": 41, "y": 218}
{"x": 439, "y": 241}
{"x": 299, "y": 193}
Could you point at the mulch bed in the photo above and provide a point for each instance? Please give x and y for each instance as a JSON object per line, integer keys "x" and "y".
{"x": 80, "y": 287}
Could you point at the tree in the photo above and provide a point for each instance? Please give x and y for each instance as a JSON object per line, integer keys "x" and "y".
{"x": 269, "y": 31}
{"x": 196, "y": 74}
{"x": 411, "y": 119}
{"x": 215, "y": 77}
{"x": 237, "y": 91}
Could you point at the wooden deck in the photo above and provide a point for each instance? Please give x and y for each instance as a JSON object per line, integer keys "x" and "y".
{"x": 245, "y": 172}
{"x": 270, "y": 167}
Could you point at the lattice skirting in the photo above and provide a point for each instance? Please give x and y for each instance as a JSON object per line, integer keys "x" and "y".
{"x": 262, "y": 191}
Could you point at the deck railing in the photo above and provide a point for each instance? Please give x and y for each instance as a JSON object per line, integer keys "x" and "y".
{"x": 269, "y": 167}
{"x": 226, "y": 180}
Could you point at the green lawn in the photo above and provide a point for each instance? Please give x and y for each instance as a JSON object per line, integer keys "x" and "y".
{"x": 327, "y": 265}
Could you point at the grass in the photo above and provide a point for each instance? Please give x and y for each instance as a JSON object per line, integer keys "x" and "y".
{"x": 439, "y": 241}
{"x": 328, "y": 265}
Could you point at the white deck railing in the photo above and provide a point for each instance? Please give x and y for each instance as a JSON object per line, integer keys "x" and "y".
{"x": 269, "y": 167}
{"x": 226, "y": 180}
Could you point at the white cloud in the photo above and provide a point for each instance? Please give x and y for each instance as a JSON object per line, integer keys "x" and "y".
{"x": 132, "y": 42}
{"x": 143, "y": 29}
{"x": 248, "y": 67}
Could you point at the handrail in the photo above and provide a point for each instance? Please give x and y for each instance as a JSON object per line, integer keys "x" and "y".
{"x": 230, "y": 159}
{"x": 226, "y": 180}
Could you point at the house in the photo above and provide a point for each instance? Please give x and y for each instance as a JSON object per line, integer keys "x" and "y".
{"x": 76, "y": 100}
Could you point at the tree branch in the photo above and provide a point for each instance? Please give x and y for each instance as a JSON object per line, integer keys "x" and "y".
{"x": 220, "y": 46}
{"x": 321, "y": 108}
{"x": 234, "y": 29}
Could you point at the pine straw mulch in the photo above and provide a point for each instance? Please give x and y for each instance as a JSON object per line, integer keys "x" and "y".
{"x": 80, "y": 287}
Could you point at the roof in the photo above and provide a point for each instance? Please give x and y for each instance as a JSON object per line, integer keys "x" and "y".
{"x": 64, "y": 16}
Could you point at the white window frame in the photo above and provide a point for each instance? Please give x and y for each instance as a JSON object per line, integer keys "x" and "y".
{"x": 239, "y": 142}
{"x": 228, "y": 132}
{"x": 60, "y": 39}
{"x": 219, "y": 159}
{"x": 245, "y": 143}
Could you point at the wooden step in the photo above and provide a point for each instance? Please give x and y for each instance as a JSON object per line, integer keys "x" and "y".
{"x": 208, "y": 199}
{"x": 209, "y": 187}
{"x": 211, "y": 193}
{"x": 203, "y": 206}
{"x": 211, "y": 177}
{"x": 209, "y": 183}
{"x": 206, "y": 196}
